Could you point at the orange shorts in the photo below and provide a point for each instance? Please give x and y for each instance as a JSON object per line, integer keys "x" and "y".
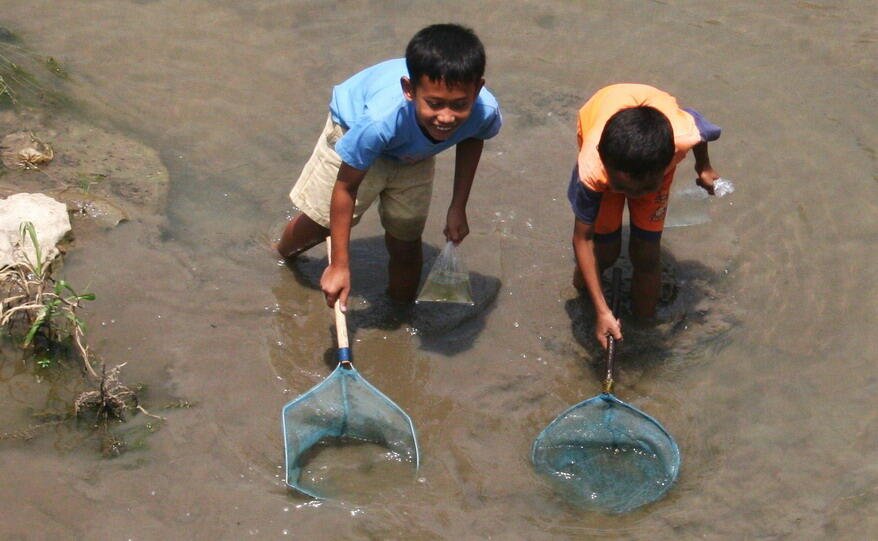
{"x": 604, "y": 210}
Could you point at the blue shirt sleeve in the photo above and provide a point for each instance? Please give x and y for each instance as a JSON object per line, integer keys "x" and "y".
{"x": 361, "y": 145}
{"x": 492, "y": 127}
{"x": 709, "y": 131}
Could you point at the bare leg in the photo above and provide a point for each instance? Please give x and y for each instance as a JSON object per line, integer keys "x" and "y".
{"x": 647, "y": 278}
{"x": 300, "y": 234}
{"x": 404, "y": 269}
{"x": 605, "y": 254}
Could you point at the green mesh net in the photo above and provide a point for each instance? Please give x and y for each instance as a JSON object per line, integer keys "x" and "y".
{"x": 606, "y": 455}
{"x": 344, "y": 406}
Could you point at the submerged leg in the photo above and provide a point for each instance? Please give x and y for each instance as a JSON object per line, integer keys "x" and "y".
{"x": 300, "y": 234}
{"x": 404, "y": 268}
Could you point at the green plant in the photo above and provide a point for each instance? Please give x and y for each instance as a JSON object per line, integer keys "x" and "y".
{"x": 32, "y": 299}
{"x": 33, "y": 304}
{"x": 23, "y": 83}
{"x": 58, "y": 306}
{"x": 5, "y": 91}
{"x": 44, "y": 362}
{"x": 87, "y": 180}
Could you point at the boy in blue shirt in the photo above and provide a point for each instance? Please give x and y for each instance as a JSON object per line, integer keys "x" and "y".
{"x": 385, "y": 125}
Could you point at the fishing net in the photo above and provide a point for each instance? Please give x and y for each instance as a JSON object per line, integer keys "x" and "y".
{"x": 344, "y": 406}
{"x": 603, "y": 454}
{"x": 448, "y": 280}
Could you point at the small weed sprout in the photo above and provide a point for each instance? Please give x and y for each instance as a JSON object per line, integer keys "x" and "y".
{"x": 22, "y": 82}
{"x": 6, "y": 91}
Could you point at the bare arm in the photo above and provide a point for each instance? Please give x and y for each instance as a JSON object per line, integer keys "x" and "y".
{"x": 583, "y": 247}
{"x": 468, "y": 153}
{"x": 706, "y": 174}
{"x": 336, "y": 279}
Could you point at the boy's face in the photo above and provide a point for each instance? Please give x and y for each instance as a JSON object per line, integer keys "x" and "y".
{"x": 624, "y": 183}
{"x": 440, "y": 110}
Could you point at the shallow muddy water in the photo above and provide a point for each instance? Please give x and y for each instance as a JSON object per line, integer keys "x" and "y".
{"x": 355, "y": 471}
{"x": 763, "y": 369}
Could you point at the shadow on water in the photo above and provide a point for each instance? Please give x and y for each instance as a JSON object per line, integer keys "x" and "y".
{"x": 694, "y": 314}
{"x": 444, "y": 328}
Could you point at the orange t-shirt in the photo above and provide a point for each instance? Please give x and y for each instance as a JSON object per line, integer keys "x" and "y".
{"x": 608, "y": 101}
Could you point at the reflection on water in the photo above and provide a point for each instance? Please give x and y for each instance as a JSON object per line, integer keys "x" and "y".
{"x": 689, "y": 205}
{"x": 352, "y": 470}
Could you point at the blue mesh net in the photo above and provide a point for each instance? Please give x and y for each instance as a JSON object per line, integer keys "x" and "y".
{"x": 344, "y": 406}
{"x": 605, "y": 455}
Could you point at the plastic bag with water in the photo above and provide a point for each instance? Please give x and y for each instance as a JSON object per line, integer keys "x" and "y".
{"x": 448, "y": 280}
{"x": 689, "y": 203}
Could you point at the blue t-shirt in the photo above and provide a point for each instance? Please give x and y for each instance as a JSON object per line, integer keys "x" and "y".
{"x": 381, "y": 122}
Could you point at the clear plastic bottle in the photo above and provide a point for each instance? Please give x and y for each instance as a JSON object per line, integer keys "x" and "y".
{"x": 722, "y": 187}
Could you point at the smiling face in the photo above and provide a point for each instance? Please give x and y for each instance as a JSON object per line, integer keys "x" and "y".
{"x": 440, "y": 110}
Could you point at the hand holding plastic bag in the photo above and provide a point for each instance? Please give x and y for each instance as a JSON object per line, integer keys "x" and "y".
{"x": 448, "y": 280}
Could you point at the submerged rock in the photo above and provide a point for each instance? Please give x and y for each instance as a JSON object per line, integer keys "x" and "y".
{"x": 112, "y": 166}
{"x": 25, "y": 150}
{"x": 102, "y": 175}
{"x": 50, "y": 222}
{"x": 81, "y": 203}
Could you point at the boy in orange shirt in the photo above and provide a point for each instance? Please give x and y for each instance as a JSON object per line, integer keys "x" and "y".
{"x": 631, "y": 138}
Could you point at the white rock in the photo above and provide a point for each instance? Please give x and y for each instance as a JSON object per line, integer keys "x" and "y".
{"x": 50, "y": 222}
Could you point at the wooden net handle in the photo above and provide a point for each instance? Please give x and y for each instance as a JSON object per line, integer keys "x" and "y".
{"x": 341, "y": 320}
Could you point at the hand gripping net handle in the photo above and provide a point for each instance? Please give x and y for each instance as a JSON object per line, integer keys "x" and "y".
{"x": 341, "y": 321}
{"x": 611, "y": 342}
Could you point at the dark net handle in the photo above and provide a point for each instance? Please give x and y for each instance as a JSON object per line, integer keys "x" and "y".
{"x": 611, "y": 342}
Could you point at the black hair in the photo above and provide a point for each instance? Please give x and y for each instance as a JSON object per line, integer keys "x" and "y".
{"x": 447, "y": 52}
{"x": 638, "y": 141}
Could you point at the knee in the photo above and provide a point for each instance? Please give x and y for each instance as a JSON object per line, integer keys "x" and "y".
{"x": 403, "y": 250}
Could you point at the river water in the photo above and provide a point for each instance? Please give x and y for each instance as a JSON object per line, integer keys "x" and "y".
{"x": 763, "y": 369}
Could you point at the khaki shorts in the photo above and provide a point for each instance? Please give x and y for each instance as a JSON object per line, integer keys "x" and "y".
{"x": 404, "y": 189}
